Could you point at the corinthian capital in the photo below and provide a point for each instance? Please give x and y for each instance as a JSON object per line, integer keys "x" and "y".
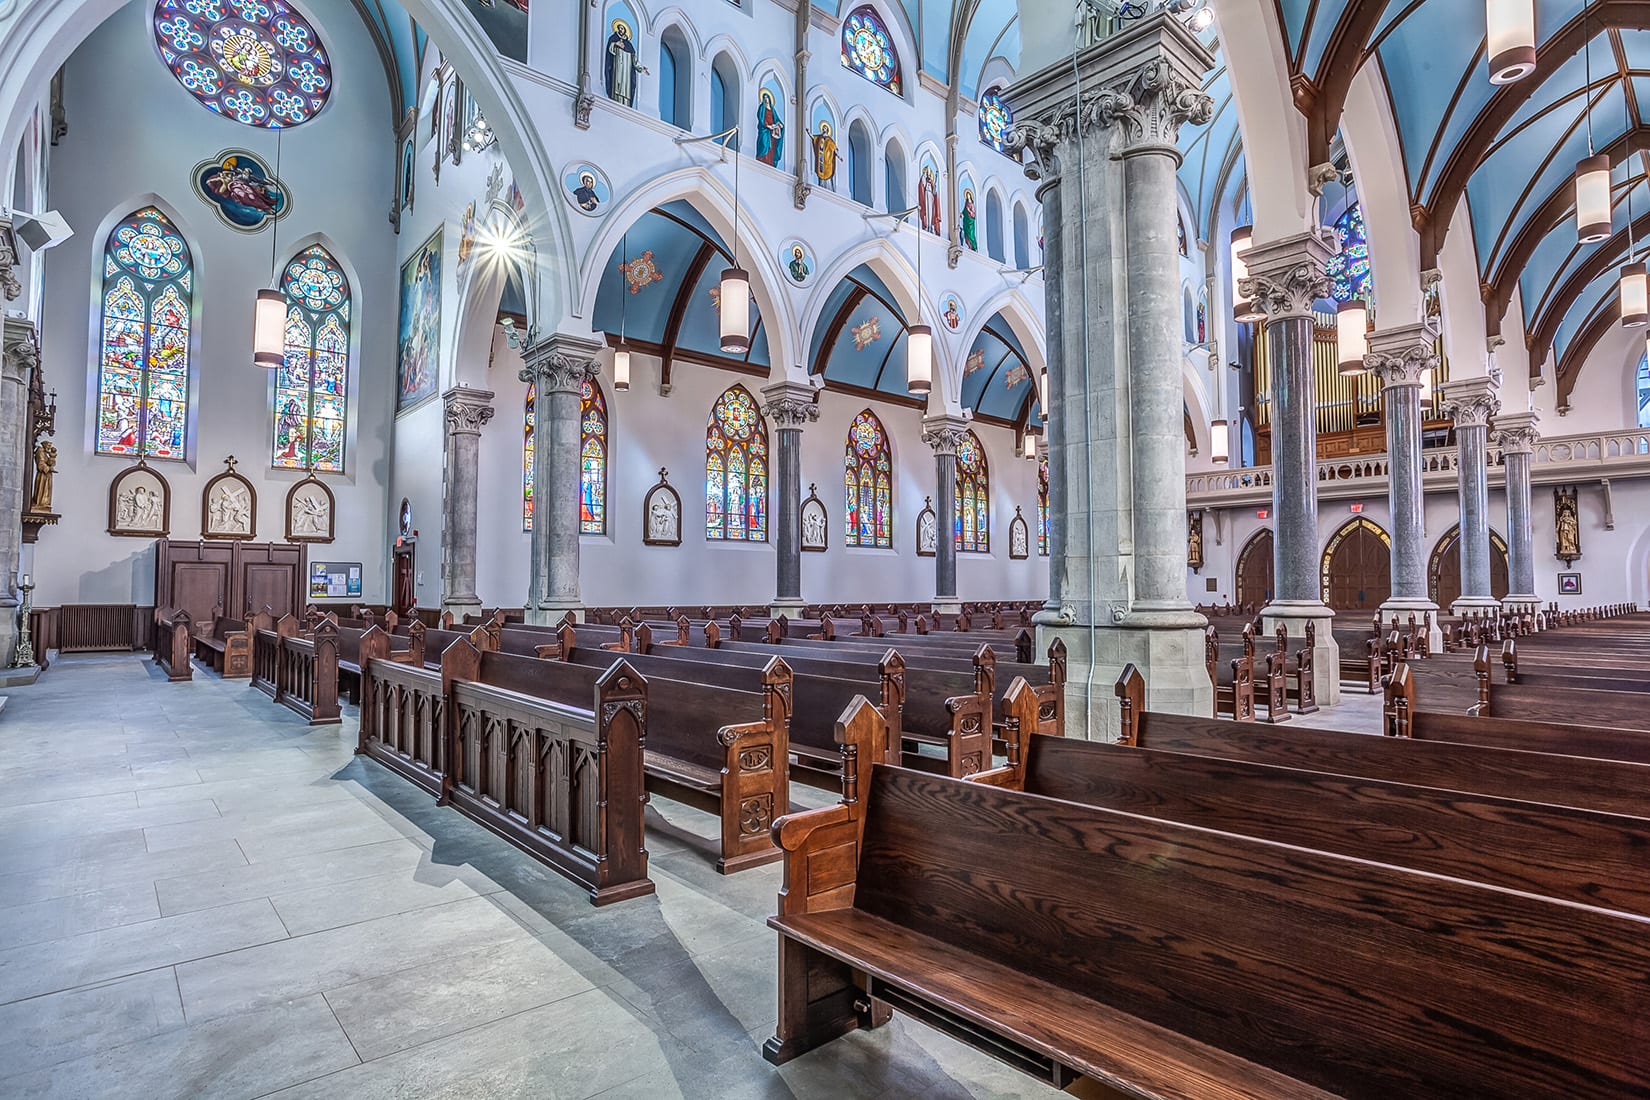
{"x": 560, "y": 363}
{"x": 1156, "y": 102}
{"x": 944, "y": 433}
{"x": 1401, "y": 356}
{"x": 467, "y": 410}
{"x": 1517, "y": 433}
{"x": 1287, "y": 276}
{"x": 21, "y": 350}
{"x": 790, "y": 405}
{"x": 1470, "y": 402}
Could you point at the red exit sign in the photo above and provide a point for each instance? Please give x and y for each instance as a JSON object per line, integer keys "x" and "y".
{"x": 1262, "y": 514}
{"x": 1357, "y": 509}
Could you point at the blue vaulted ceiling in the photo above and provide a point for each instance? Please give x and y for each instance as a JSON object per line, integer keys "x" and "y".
{"x": 1212, "y": 153}
{"x": 997, "y": 381}
{"x": 859, "y": 343}
{"x": 401, "y": 43}
{"x": 955, "y": 38}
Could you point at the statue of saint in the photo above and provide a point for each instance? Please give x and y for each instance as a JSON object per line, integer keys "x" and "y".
{"x": 45, "y": 466}
{"x": 1568, "y": 525}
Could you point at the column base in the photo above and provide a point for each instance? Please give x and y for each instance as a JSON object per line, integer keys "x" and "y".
{"x": 947, "y": 605}
{"x": 461, "y": 606}
{"x": 791, "y": 609}
{"x": 1423, "y": 609}
{"x": 1521, "y": 604}
{"x": 549, "y": 614}
{"x": 1177, "y": 681}
{"x": 1475, "y": 605}
{"x": 1326, "y": 654}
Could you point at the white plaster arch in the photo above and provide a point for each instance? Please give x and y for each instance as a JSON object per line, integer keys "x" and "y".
{"x": 683, "y": 22}
{"x": 995, "y": 72}
{"x": 1372, "y": 146}
{"x": 1195, "y": 394}
{"x": 702, "y": 189}
{"x": 1462, "y": 306}
{"x": 478, "y": 303}
{"x": 726, "y": 43}
{"x": 858, "y": 114}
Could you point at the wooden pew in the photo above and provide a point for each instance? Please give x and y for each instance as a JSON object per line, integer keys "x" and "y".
{"x": 1165, "y": 960}
{"x": 300, "y": 673}
{"x": 173, "y": 631}
{"x": 550, "y": 762}
{"x": 225, "y": 646}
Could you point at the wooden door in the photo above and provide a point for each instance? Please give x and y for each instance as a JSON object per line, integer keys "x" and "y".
{"x": 1444, "y": 571}
{"x": 404, "y": 593}
{"x": 1357, "y": 571}
{"x": 1254, "y": 572}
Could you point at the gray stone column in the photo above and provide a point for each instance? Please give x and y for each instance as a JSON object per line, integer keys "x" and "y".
{"x": 1401, "y": 358}
{"x": 557, "y": 366}
{"x": 790, "y": 405}
{"x": 467, "y": 411}
{"x": 1473, "y": 404}
{"x": 1516, "y": 432}
{"x": 19, "y": 355}
{"x": 1117, "y": 460}
{"x": 1286, "y": 277}
{"x": 944, "y": 433}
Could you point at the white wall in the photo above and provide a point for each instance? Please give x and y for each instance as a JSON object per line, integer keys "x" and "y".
{"x": 134, "y": 136}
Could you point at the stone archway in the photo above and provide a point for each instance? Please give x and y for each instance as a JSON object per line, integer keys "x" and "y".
{"x": 1444, "y": 568}
{"x": 1356, "y": 571}
{"x": 1254, "y": 571}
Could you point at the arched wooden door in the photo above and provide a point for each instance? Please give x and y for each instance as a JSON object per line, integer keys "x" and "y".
{"x": 1444, "y": 569}
{"x": 1357, "y": 567}
{"x": 1254, "y": 571}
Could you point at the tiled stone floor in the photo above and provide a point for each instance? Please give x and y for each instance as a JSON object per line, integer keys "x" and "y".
{"x": 202, "y": 897}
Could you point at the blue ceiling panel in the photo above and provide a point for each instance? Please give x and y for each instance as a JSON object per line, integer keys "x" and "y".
{"x": 996, "y": 359}
{"x": 1324, "y": 20}
{"x": 1424, "y": 59}
{"x": 1587, "y": 305}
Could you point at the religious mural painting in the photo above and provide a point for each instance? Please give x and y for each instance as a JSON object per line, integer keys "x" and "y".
{"x": 586, "y": 187}
{"x": 816, "y": 523}
{"x": 929, "y": 212}
{"x": 827, "y": 154}
{"x": 868, "y": 49}
{"x": 1569, "y": 584}
{"x": 241, "y": 190}
{"x": 418, "y": 358}
{"x": 140, "y": 503}
{"x": 866, "y": 333}
{"x": 466, "y": 244}
{"x": 258, "y": 62}
{"x": 798, "y": 261}
{"x": 311, "y": 511}
{"x": 641, "y": 272}
{"x": 952, "y": 313}
{"x": 229, "y": 506}
{"x": 662, "y": 514}
{"x": 770, "y": 123}
{"x": 143, "y": 358}
{"x": 311, "y": 385}
{"x": 1042, "y": 508}
{"x": 505, "y": 24}
{"x": 620, "y": 67}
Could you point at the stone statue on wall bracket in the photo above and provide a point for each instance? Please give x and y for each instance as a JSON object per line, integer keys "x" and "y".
{"x": 1194, "y": 542}
{"x": 1567, "y": 524}
{"x": 140, "y": 503}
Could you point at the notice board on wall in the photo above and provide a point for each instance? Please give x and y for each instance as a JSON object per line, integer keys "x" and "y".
{"x": 334, "y": 580}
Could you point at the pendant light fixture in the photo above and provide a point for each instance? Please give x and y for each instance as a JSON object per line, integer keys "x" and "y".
{"x": 1635, "y": 284}
{"x": 1352, "y": 337}
{"x": 621, "y": 354}
{"x": 1220, "y": 442}
{"x": 1244, "y": 310}
{"x": 919, "y": 343}
{"x": 1593, "y": 172}
{"x": 735, "y": 294}
{"x": 269, "y": 314}
{"x": 1511, "y": 25}
{"x": 1042, "y": 393}
{"x": 1029, "y": 443}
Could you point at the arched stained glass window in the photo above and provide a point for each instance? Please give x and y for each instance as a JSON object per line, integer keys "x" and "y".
{"x": 973, "y": 519}
{"x": 736, "y": 470}
{"x": 868, "y": 49}
{"x": 527, "y": 461}
{"x": 1042, "y": 508}
{"x": 143, "y": 356}
{"x": 868, "y": 483}
{"x": 592, "y": 459}
{"x": 995, "y": 121}
{"x": 311, "y": 397}
{"x": 255, "y": 61}
{"x": 1349, "y": 271}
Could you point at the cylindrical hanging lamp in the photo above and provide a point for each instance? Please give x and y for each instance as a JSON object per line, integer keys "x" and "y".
{"x": 621, "y": 366}
{"x": 1243, "y": 309}
{"x": 1352, "y": 336}
{"x": 269, "y": 330}
{"x": 736, "y": 311}
{"x": 919, "y": 360}
{"x": 1042, "y": 394}
{"x": 1593, "y": 199}
{"x": 1511, "y": 25}
{"x": 1029, "y": 445}
{"x": 1635, "y": 295}
{"x": 1220, "y": 441}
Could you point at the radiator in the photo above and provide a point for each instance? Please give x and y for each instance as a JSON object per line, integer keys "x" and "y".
{"x": 85, "y": 627}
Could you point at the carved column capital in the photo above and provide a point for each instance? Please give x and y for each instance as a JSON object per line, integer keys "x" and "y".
{"x": 1401, "y": 356}
{"x": 944, "y": 433}
{"x": 1471, "y": 402}
{"x": 1156, "y": 102}
{"x": 1287, "y": 276}
{"x": 19, "y": 348}
{"x": 467, "y": 410}
{"x": 9, "y": 281}
{"x": 790, "y": 405}
{"x": 560, "y": 363}
{"x": 1516, "y": 433}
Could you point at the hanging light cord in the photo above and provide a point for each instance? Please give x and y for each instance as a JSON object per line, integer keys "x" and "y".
{"x": 1587, "y": 61}
{"x": 624, "y": 248}
{"x": 734, "y": 133}
{"x": 275, "y": 227}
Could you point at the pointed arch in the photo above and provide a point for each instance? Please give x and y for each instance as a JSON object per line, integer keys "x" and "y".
{"x": 593, "y": 452}
{"x": 868, "y": 484}
{"x": 312, "y": 385}
{"x": 1255, "y": 565}
{"x": 147, "y": 297}
{"x": 1356, "y": 570}
{"x": 1042, "y": 507}
{"x": 736, "y": 469}
{"x": 972, "y": 522}
{"x": 868, "y": 50}
{"x": 1444, "y": 568}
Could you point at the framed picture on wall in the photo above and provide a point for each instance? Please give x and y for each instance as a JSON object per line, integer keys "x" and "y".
{"x": 662, "y": 514}
{"x": 816, "y": 525}
{"x": 1569, "y": 584}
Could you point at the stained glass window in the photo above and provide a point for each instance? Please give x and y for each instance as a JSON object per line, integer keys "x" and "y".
{"x": 592, "y": 459}
{"x": 995, "y": 121}
{"x": 143, "y": 361}
{"x": 255, "y": 61}
{"x": 1042, "y": 508}
{"x": 311, "y": 387}
{"x": 527, "y": 461}
{"x": 1349, "y": 271}
{"x": 1644, "y": 392}
{"x": 973, "y": 519}
{"x": 868, "y": 49}
{"x": 868, "y": 481}
{"x": 736, "y": 470}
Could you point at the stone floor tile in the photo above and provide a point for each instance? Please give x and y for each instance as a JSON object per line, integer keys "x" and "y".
{"x": 59, "y": 918}
{"x": 59, "y": 1027}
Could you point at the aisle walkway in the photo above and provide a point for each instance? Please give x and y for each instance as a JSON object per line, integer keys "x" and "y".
{"x": 202, "y": 897}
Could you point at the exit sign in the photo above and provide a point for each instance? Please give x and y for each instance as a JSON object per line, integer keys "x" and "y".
{"x": 1357, "y": 508}
{"x": 1262, "y": 514}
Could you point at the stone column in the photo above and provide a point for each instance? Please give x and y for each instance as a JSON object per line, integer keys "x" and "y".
{"x": 467, "y": 410}
{"x": 19, "y": 356}
{"x": 1117, "y": 457}
{"x": 557, "y": 366}
{"x": 1516, "y": 432}
{"x": 1473, "y": 403}
{"x": 790, "y": 405}
{"x": 1401, "y": 358}
{"x": 1286, "y": 277}
{"x": 944, "y": 433}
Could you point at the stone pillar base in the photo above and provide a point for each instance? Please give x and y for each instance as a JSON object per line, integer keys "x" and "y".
{"x": 791, "y": 609}
{"x": 951, "y": 606}
{"x": 461, "y": 606}
{"x": 1475, "y": 605}
{"x": 1177, "y": 681}
{"x": 1326, "y": 655}
{"x": 550, "y": 614}
{"x": 1424, "y": 611}
{"x": 1523, "y": 605}
{"x": 10, "y": 634}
